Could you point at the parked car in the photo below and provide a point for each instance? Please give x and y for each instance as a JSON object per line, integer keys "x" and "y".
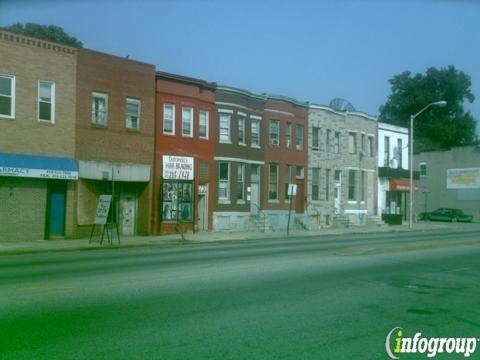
{"x": 453, "y": 215}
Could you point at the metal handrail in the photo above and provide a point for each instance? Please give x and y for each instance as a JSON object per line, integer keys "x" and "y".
{"x": 263, "y": 214}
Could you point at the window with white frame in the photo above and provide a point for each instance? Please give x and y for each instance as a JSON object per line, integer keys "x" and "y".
{"x": 46, "y": 101}
{"x": 7, "y": 96}
{"x": 299, "y": 172}
{"x": 274, "y": 132}
{"x": 132, "y": 114}
{"x": 241, "y": 128}
{"x": 224, "y": 131}
{"x": 99, "y": 108}
{"x": 316, "y": 184}
{"x": 187, "y": 121}
{"x": 169, "y": 119}
{"x": 315, "y": 138}
{"x": 255, "y": 133}
{"x": 352, "y": 143}
{"x": 299, "y": 136}
{"x": 423, "y": 169}
{"x": 241, "y": 182}
{"x": 273, "y": 182}
{"x": 386, "y": 151}
{"x": 288, "y": 135}
{"x": 223, "y": 181}
{"x": 203, "y": 124}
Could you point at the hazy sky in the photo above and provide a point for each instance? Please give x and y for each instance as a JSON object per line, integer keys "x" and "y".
{"x": 310, "y": 50}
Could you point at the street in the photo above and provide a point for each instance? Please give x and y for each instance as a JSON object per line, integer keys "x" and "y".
{"x": 329, "y": 297}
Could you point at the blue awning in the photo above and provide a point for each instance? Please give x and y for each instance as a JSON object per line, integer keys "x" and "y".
{"x": 34, "y": 166}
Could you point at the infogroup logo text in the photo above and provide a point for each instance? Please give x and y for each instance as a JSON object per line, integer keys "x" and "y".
{"x": 429, "y": 346}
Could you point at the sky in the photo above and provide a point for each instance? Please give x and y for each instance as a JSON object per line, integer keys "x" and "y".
{"x": 309, "y": 50}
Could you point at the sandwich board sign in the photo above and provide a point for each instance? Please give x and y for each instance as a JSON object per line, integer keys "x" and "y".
{"x": 103, "y": 208}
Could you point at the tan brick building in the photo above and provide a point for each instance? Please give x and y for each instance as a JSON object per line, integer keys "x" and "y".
{"x": 37, "y": 138}
{"x": 114, "y": 139}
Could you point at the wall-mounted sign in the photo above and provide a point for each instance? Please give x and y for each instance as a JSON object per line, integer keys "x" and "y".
{"x": 177, "y": 167}
{"x": 292, "y": 189}
{"x": 103, "y": 208}
{"x": 468, "y": 178}
{"x": 38, "y": 173}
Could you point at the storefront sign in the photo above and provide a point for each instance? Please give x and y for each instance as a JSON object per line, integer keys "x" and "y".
{"x": 177, "y": 167}
{"x": 402, "y": 185}
{"x": 38, "y": 173}
{"x": 103, "y": 208}
{"x": 463, "y": 178}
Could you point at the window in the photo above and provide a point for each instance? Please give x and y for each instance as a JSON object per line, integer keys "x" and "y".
{"x": 169, "y": 119}
{"x": 399, "y": 153}
{"x": 273, "y": 182}
{"x": 386, "y": 152}
{"x": 133, "y": 114}
{"x": 46, "y": 101}
{"x": 255, "y": 133}
{"x": 274, "y": 132}
{"x": 203, "y": 124}
{"x": 225, "y": 119}
{"x": 362, "y": 144}
{"x": 315, "y": 138}
{"x": 423, "y": 169}
{"x": 241, "y": 129}
{"x": 99, "y": 108}
{"x": 203, "y": 170}
{"x": 352, "y": 143}
{"x": 362, "y": 186}
{"x": 223, "y": 181}
{"x": 288, "y": 135}
{"x": 338, "y": 176}
{"x": 240, "y": 181}
{"x": 351, "y": 185}
{"x": 327, "y": 184}
{"x": 337, "y": 142}
{"x": 299, "y": 172}
{"x": 7, "y": 96}
{"x": 288, "y": 179}
{"x": 315, "y": 183}
{"x": 177, "y": 199}
{"x": 255, "y": 173}
{"x": 187, "y": 121}
{"x": 327, "y": 140}
{"x": 299, "y": 137}
{"x": 370, "y": 146}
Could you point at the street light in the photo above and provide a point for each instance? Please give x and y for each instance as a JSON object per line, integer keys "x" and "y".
{"x": 441, "y": 103}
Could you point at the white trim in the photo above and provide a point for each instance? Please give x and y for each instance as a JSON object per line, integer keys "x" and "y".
{"x": 322, "y": 107}
{"x": 241, "y": 113}
{"x": 12, "y": 96}
{"x": 229, "y": 140}
{"x": 231, "y": 104}
{"x": 227, "y": 111}
{"x": 208, "y": 123}
{"x": 103, "y": 95}
{"x": 246, "y": 161}
{"x": 355, "y": 211}
{"x": 280, "y": 112}
{"x": 173, "y": 118}
{"x": 357, "y": 168}
{"x": 256, "y": 117}
{"x": 52, "y": 101}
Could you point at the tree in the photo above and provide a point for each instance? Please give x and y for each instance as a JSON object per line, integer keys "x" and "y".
{"x": 436, "y": 128}
{"x": 44, "y": 32}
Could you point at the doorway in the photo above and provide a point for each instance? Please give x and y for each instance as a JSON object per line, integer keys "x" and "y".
{"x": 127, "y": 213}
{"x": 203, "y": 210}
{"x": 56, "y": 209}
{"x": 337, "y": 192}
{"x": 299, "y": 200}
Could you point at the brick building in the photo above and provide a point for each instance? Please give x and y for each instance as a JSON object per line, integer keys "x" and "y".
{"x": 37, "y": 138}
{"x": 114, "y": 139}
{"x": 184, "y": 179}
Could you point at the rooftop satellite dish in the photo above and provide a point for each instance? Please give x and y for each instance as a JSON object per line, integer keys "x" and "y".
{"x": 340, "y": 104}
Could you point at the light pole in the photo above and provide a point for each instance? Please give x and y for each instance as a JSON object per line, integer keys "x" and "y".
{"x": 441, "y": 103}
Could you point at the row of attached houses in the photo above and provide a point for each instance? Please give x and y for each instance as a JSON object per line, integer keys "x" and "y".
{"x": 173, "y": 151}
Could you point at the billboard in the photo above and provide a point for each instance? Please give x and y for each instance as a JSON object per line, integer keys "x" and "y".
{"x": 468, "y": 178}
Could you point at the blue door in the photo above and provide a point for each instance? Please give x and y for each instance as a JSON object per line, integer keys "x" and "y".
{"x": 57, "y": 214}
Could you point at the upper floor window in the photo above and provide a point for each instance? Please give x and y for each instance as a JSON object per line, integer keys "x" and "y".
{"x": 337, "y": 142}
{"x": 299, "y": 136}
{"x": 99, "y": 108}
{"x": 386, "y": 151}
{"x": 423, "y": 169}
{"x": 7, "y": 96}
{"x": 133, "y": 114}
{"x": 352, "y": 143}
{"x": 225, "y": 119}
{"x": 274, "y": 132}
{"x": 327, "y": 140}
{"x": 255, "y": 132}
{"x": 370, "y": 146}
{"x": 241, "y": 128}
{"x": 315, "y": 138}
{"x": 362, "y": 144}
{"x": 203, "y": 124}
{"x": 399, "y": 153}
{"x": 169, "y": 119}
{"x": 288, "y": 135}
{"x": 187, "y": 121}
{"x": 46, "y": 101}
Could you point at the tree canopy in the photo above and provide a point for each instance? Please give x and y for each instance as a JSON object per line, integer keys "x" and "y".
{"x": 45, "y": 32}
{"x": 435, "y": 128}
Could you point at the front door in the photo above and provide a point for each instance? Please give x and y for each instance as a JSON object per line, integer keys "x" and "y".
{"x": 299, "y": 200}
{"x": 57, "y": 214}
{"x": 338, "y": 191}
{"x": 202, "y": 212}
{"x": 127, "y": 214}
{"x": 254, "y": 198}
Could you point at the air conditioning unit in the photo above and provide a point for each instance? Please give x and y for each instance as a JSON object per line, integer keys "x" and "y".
{"x": 274, "y": 142}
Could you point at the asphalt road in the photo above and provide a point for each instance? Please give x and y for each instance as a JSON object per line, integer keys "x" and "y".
{"x": 333, "y": 297}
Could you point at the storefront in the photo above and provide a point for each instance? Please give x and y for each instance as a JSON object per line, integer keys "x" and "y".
{"x": 36, "y": 194}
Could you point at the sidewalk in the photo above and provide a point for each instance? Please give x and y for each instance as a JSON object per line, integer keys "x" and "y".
{"x": 203, "y": 237}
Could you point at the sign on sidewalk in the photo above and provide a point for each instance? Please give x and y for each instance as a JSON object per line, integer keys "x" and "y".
{"x": 103, "y": 208}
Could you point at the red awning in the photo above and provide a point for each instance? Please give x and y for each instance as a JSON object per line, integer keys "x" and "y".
{"x": 402, "y": 185}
